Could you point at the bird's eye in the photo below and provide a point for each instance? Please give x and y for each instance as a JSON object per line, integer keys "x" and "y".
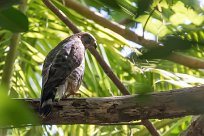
{"x": 87, "y": 40}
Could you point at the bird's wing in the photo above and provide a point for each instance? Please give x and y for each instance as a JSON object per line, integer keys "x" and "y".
{"x": 58, "y": 65}
{"x": 49, "y": 60}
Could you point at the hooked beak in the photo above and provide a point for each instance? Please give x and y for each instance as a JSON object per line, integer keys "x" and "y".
{"x": 91, "y": 45}
{"x": 95, "y": 45}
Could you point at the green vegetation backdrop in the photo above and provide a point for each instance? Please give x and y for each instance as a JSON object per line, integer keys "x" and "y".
{"x": 176, "y": 24}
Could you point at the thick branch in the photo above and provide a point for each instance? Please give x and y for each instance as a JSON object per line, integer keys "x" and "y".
{"x": 170, "y": 104}
{"x": 129, "y": 35}
{"x": 185, "y": 60}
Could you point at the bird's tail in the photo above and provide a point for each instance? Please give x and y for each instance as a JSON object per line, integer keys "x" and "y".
{"x": 47, "y": 98}
{"x": 45, "y": 107}
{"x": 46, "y": 101}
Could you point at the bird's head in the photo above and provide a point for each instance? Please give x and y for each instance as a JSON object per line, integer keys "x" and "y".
{"x": 88, "y": 40}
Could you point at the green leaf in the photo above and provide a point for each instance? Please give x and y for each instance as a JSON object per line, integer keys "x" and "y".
{"x": 171, "y": 43}
{"x": 94, "y": 3}
{"x": 4, "y": 4}
{"x": 13, "y": 112}
{"x": 111, "y": 4}
{"x": 143, "y": 5}
{"x": 13, "y": 20}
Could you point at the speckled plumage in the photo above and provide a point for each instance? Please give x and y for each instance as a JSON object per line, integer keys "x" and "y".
{"x": 63, "y": 69}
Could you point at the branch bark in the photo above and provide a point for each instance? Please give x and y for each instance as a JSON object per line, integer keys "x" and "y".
{"x": 185, "y": 60}
{"x": 169, "y": 104}
{"x": 130, "y": 35}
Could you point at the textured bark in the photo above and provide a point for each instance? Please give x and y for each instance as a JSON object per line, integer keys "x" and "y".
{"x": 196, "y": 128}
{"x": 169, "y": 104}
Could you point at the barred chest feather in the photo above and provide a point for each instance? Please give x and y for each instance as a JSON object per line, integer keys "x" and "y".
{"x": 73, "y": 82}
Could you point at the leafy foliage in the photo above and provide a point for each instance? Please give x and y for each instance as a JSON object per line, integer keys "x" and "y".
{"x": 171, "y": 43}
{"x": 9, "y": 108}
{"x": 19, "y": 23}
{"x": 7, "y": 4}
{"x": 183, "y": 19}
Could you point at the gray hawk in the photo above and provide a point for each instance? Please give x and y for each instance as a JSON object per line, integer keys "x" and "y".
{"x": 63, "y": 69}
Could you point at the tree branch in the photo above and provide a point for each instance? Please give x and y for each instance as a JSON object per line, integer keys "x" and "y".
{"x": 61, "y": 16}
{"x": 169, "y": 104}
{"x": 150, "y": 127}
{"x": 109, "y": 72}
{"x": 158, "y": 125}
{"x": 185, "y": 60}
{"x": 130, "y": 35}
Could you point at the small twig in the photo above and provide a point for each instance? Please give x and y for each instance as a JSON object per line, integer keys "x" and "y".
{"x": 61, "y": 16}
{"x": 150, "y": 127}
{"x": 147, "y": 21}
{"x": 149, "y": 18}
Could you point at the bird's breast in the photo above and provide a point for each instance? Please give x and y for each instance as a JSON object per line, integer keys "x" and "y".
{"x": 73, "y": 81}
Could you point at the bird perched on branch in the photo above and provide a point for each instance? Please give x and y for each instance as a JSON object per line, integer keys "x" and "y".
{"x": 63, "y": 69}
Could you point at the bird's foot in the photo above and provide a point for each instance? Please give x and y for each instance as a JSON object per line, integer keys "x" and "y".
{"x": 71, "y": 94}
